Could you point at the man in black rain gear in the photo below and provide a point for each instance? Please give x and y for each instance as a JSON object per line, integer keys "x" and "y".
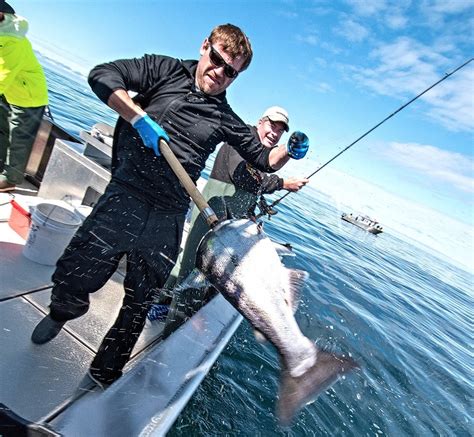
{"x": 142, "y": 211}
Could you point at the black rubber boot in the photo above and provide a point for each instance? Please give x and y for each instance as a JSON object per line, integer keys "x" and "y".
{"x": 46, "y": 330}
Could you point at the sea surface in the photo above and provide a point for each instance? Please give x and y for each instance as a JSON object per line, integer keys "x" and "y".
{"x": 403, "y": 313}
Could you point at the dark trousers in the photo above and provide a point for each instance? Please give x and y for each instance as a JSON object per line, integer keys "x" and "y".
{"x": 18, "y": 129}
{"x": 120, "y": 224}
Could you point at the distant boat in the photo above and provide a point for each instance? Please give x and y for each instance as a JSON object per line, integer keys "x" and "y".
{"x": 363, "y": 222}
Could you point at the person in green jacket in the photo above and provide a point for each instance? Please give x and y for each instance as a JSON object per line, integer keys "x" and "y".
{"x": 23, "y": 97}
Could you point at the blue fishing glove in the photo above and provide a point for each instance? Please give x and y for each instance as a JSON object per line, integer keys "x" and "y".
{"x": 151, "y": 132}
{"x": 297, "y": 145}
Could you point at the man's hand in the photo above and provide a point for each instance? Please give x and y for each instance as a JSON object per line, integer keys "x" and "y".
{"x": 294, "y": 184}
{"x": 151, "y": 133}
{"x": 297, "y": 145}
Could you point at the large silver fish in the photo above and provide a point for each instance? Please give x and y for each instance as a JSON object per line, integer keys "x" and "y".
{"x": 241, "y": 262}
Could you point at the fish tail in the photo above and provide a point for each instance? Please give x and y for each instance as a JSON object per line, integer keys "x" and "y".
{"x": 296, "y": 392}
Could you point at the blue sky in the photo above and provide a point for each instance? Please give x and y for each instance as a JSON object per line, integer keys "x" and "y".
{"x": 338, "y": 66}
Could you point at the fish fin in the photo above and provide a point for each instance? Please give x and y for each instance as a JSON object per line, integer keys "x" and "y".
{"x": 188, "y": 297}
{"x": 296, "y": 392}
{"x": 195, "y": 279}
{"x": 195, "y": 290}
{"x": 259, "y": 336}
{"x": 297, "y": 279}
{"x": 283, "y": 249}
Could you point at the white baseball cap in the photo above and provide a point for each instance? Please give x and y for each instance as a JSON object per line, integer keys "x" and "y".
{"x": 275, "y": 113}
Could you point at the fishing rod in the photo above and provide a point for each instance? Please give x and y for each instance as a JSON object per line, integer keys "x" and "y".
{"x": 276, "y": 202}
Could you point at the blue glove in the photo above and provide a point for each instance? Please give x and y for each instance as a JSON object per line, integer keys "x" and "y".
{"x": 151, "y": 132}
{"x": 297, "y": 145}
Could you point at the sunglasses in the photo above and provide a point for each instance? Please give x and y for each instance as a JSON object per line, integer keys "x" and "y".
{"x": 218, "y": 61}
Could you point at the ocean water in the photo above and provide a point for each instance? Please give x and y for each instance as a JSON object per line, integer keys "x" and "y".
{"x": 403, "y": 313}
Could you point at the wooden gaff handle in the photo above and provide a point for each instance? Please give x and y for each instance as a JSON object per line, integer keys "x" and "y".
{"x": 188, "y": 184}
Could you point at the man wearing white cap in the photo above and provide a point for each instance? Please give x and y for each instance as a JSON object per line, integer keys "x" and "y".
{"x": 241, "y": 178}
{"x": 234, "y": 186}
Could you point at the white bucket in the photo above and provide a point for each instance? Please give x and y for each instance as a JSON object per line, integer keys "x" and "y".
{"x": 83, "y": 211}
{"x": 52, "y": 227}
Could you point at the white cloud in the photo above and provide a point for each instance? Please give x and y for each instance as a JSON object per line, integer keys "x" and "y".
{"x": 406, "y": 67}
{"x": 325, "y": 87}
{"x": 451, "y": 167}
{"x": 388, "y": 13}
{"x": 322, "y": 62}
{"x": 437, "y": 13}
{"x": 452, "y": 102}
{"x": 446, "y": 7}
{"x": 395, "y": 14}
{"x": 320, "y": 87}
{"x": 288, "y": 14}
{"x": 335, "y": 50}
{"x": 396, "y": 20}
{"x": 367, "y": 7}
{"x": 413, "y": 221}
{"x": 352, "y": 30}
{"x": 311, "y": 39}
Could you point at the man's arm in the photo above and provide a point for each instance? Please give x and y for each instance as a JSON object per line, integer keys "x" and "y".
{"x": 240, "y": 136}
{"x": 278, "y": 157}
{"x": 121, "y": 103}
{"x": 111, "y": 81}
{"x": 12, "y": 61}
{"x": 136, "y": 74}
{"x": 294, "y": 184}
{"x": 150, "y": 132}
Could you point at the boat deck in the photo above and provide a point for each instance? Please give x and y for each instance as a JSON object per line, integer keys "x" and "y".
{"x": 47, "y": 384}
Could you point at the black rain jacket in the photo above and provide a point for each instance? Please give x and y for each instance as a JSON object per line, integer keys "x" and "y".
{"x": 195, "y": 122}
{"x": 231, "y": 168}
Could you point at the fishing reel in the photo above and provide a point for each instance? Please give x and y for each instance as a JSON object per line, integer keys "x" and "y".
{"x": 265, "y": 208}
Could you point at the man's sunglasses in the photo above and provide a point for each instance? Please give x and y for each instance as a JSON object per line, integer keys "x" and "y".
{"x": 218, "y": 61}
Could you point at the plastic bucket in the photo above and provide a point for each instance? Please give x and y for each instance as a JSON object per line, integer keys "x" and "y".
{"x": 83, "y": 211}
{"x": 52, "y": 227}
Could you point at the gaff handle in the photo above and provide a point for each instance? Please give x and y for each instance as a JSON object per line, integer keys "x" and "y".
{"x": 188, "y": 184}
